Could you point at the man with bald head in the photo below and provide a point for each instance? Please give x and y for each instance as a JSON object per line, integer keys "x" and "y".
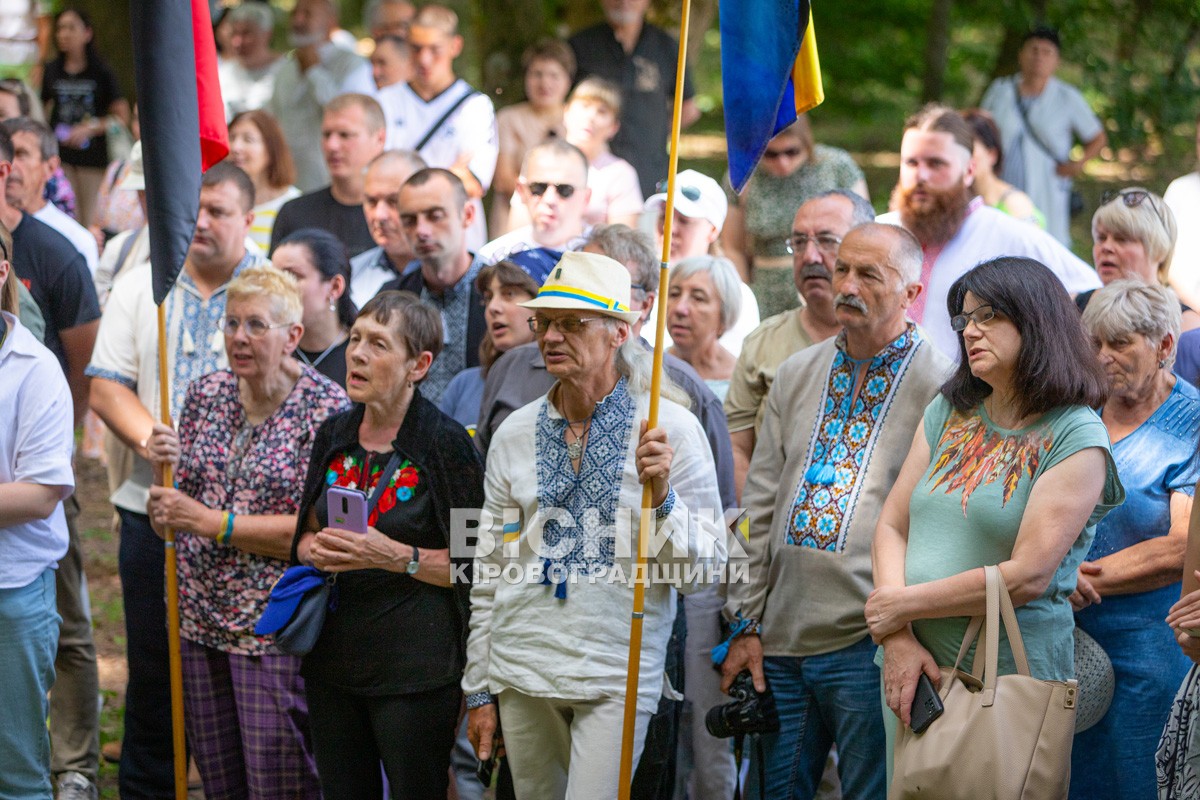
{"x": 352, "y": 134}
{"x": 817, "y": 233}
{"x": 839, "y": 419}
{"x": 315, "y": 72}
{"x": 387, "y": 260}
{"x": 553, "y": 186}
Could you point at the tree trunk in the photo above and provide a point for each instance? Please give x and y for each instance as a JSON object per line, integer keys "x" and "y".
{"x": 937, "y": 47}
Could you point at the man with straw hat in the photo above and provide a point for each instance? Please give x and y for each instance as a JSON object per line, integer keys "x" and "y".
{"x": 553, "y": 571}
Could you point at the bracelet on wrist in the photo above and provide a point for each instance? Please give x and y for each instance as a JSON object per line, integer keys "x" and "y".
{"x": 479, "y": 700}
{"x": 226, "y": 533}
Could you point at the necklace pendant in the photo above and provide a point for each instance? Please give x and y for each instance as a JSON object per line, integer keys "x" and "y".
{"x": 575, "y": 450}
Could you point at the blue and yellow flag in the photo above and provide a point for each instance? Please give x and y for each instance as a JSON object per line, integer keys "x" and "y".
{"x": 770, "y": 72}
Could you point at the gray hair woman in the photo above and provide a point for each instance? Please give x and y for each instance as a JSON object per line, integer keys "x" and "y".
{"x": 1133, "y": 238}
{"x": 704, "y": 301}
{"x": 549, "y": 608}
{"x": 1136, "y": 560}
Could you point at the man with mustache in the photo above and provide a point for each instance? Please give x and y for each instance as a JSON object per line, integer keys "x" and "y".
{"x": 314, "y": 73}
{"x": 934, "y": 200}
{"x": 124, "y": 394}
{"x": 832, "y": 441}
{"x": 817, "y": 232}
{"x": 352, "y": 133}
{"x": 371, "y": 269}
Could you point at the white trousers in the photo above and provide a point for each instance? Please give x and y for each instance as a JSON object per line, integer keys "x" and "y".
{"x": 566, "y": 749}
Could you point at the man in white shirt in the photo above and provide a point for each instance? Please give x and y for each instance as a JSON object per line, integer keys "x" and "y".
{"x": 553, "y": 186}
{"x": 315, "y": 72}
{"x": 248, "y": 77}
{"x": 35, "y": 159}
{"x": 956, "y": 230}
{"x": 1183, "y": 198}
{"x": 370, "y": 270}
{"x": 440, "y": 116}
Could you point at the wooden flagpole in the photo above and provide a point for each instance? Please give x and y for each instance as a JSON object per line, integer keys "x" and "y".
{"x": 646, "y": 519}
{"x": 172, "y": 578}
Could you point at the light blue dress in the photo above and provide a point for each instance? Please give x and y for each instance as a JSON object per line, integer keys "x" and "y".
{"x": 1115, "y": 758}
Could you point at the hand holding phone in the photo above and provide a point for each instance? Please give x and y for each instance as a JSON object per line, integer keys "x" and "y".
{"x": 926, "y": 706}
{"x": 347, "y": 509}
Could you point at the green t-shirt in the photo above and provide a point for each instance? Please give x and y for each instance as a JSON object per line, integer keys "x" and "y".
{"x": 967, "y": 509}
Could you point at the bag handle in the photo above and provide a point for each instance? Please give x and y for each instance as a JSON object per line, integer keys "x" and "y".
{"x": 437, "y": 126}
{"x": 384, "y": 477}
{"x": 985, "y": 665}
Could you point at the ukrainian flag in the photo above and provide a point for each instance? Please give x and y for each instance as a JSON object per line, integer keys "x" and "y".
{"x": 770, "y": 73}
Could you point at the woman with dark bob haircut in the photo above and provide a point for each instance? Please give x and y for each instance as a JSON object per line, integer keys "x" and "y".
{"x": 1011, "y": 467}
{"x": 383, "y": 678}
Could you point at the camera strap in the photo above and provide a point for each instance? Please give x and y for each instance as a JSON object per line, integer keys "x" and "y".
{"x": 738, "y": 742}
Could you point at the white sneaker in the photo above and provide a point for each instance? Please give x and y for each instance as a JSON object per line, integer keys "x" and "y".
{"x": 73, "y": 786}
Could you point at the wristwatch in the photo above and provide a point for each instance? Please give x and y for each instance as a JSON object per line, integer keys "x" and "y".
{"x": 414, "y": 563}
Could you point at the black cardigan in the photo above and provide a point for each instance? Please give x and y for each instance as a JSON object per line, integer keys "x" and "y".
{"x": 441, "y": 450}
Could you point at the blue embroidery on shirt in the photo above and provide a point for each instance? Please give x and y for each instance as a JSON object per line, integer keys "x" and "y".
{"x": 591, "y": 495}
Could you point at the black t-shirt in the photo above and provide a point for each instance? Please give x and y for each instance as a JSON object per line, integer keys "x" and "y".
{"x": 331, "y": 364}
{"x": 320, "y": 210}
{"x": 646, "y": 78}
{"x": 390, "y": 633}
{"x": 77, "y": 97}
{"x": 57, "y": 276}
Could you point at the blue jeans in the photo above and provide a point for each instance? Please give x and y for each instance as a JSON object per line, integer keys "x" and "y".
{"x": 822, "y": 700}
{"x": 28, "y": 641}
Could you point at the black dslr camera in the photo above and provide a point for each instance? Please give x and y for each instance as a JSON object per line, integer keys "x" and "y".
{"x": 750, "y": 712}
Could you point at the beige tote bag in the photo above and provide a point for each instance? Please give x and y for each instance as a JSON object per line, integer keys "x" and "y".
{"x": 1001, "y": 737}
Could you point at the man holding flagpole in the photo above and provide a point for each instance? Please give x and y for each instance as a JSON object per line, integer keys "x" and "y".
{"x": 124, "y": 372}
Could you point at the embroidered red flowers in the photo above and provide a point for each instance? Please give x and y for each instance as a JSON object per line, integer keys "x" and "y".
{"x": 346, "y": 470}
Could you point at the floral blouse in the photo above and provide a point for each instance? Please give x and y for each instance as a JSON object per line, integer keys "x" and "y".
{"x": 228, "y": 464}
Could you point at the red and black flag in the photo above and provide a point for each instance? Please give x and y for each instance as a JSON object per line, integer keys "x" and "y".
{"x": 182, "y": 119}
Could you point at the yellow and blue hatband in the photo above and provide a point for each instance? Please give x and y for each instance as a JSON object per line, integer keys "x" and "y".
{"x": 571, "y": 293}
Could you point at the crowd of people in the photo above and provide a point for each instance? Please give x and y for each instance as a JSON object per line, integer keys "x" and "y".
{"x": 859, "y": 412}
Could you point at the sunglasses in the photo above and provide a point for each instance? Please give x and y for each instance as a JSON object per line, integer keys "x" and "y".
{"x": 980, "y": 316}
{"x": 690, "y": 192}
{"x": 567, "y": 325}
{"x": 1132, "y": 198}
{"x": 539, "y": 188}
{"x": 791, "y": 152}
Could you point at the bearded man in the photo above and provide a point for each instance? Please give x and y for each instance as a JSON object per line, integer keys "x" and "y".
{"x": 935, "y": 201}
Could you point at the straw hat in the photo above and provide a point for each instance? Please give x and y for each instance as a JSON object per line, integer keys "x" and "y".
{"x": 697, "y": 196}
{"x": 135, "y": 178}
{"x": 587, "y": 282}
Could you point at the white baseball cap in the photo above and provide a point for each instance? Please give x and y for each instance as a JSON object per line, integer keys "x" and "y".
{"x": 696, "y": 196}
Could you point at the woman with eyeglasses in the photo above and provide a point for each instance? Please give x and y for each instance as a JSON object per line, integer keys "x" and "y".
{"x": 703, "y": 302}
{"x": 988, "y": 159}
{"x": 382, "y": 680}
{"x": 793, "y": 169}
{"x": 317, "y": 260}
{"x": 240, "y": 452}
{"x": 1131, "y": 575}
{"x": 1133, "y": 238}
{"x": 1010, "y": 467}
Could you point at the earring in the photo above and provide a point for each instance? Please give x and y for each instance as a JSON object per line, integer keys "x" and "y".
{"x": 408, "y": 385}
{"x": 332, "y": 304}
{"x": 1162, "y": 363}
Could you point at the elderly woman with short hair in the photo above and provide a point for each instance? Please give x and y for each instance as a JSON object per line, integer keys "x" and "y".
{"x": 382, "y": 678}
{"x": 244, "y": 438}
{"x": 1131, "y": 576}
{"x": 1133, "y": 238}
{"x": 704, "y": 300}
{"x": 552, "y": 594}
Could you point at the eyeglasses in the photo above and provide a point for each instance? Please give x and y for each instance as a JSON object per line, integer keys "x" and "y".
{"x": 255, "y": 328}
{"x": 826, "y": 243}
{"x": 566, "y": 325}
{"x": 539, "y": 188}
{"x": 981, "y": 316}
{"x": 790, "y": 152}
{"x": 690, "y": 192}
{"x": 1132, "y": 198}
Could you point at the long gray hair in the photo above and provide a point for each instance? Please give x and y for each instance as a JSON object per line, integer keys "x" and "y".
{"x": 636, "y": 363}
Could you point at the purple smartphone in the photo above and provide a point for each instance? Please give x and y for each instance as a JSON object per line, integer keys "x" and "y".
{"x": 347, "y": 509}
